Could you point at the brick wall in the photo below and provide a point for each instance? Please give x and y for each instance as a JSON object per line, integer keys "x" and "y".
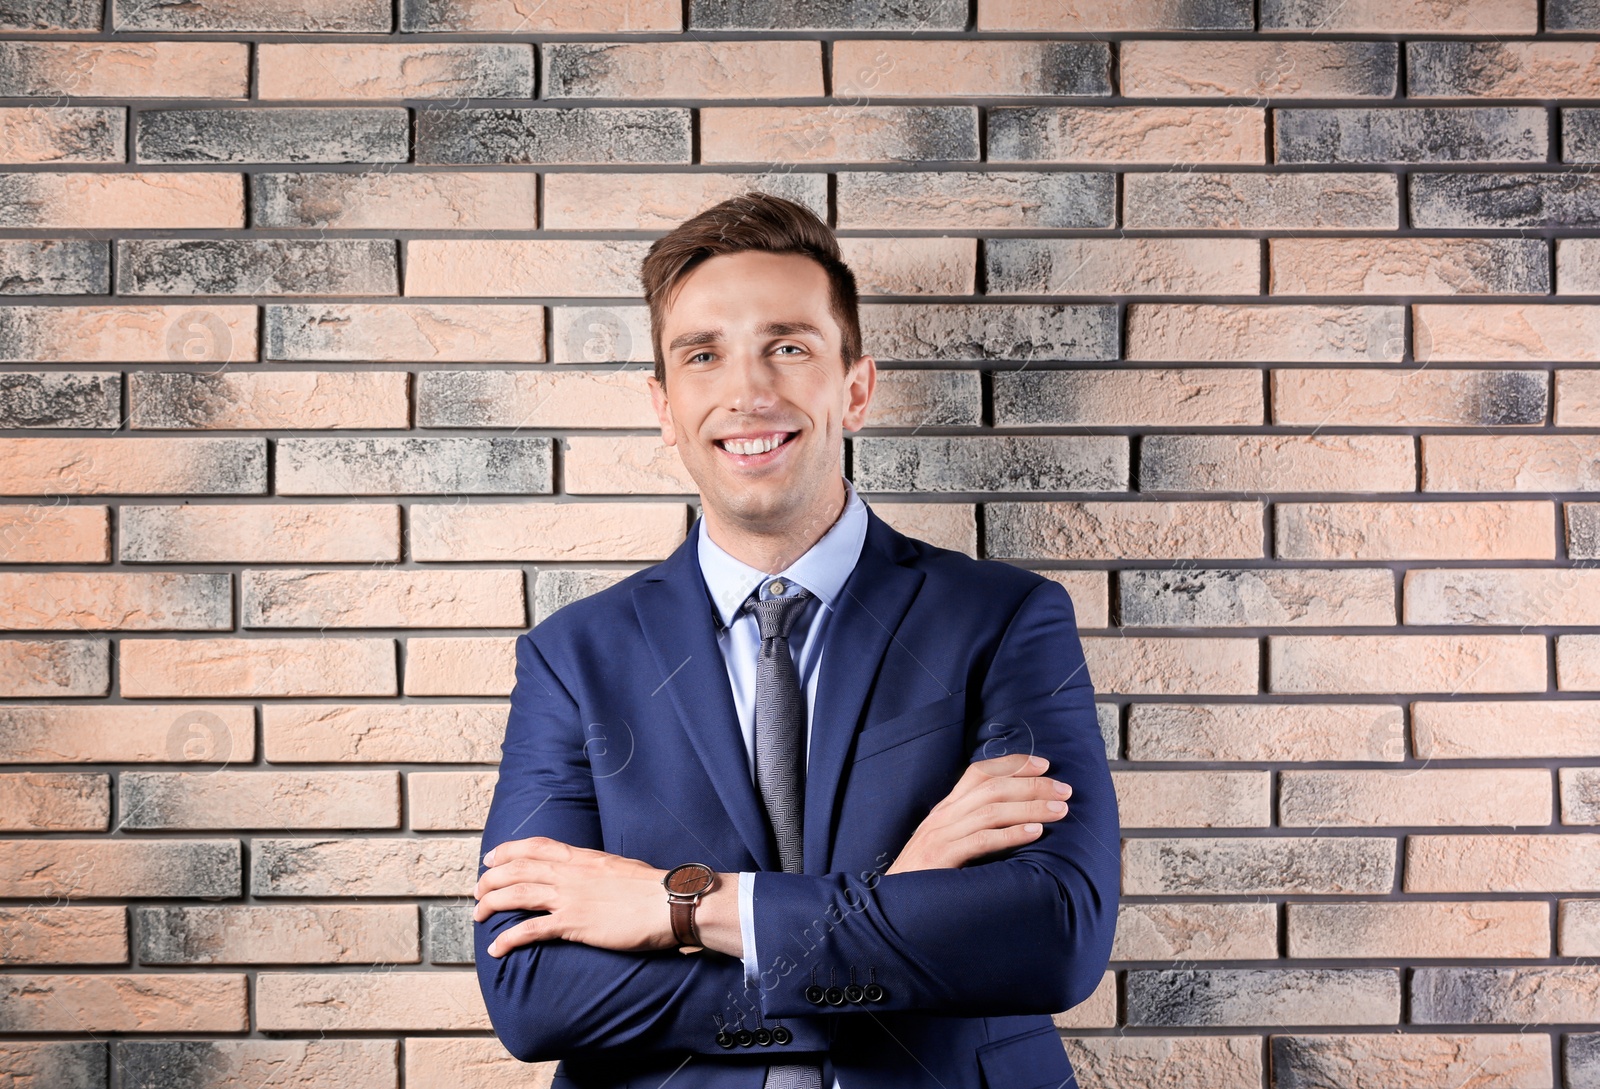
{"x": 1269, "y": 329}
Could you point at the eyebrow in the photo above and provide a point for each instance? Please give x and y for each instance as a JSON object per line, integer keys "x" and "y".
{"x": 770, "y": 329}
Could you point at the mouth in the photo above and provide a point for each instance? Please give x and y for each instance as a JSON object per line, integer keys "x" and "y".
{"x": 756, "y": 450}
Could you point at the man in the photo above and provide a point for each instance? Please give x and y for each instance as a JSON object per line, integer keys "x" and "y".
{"x": 826, "y": 739}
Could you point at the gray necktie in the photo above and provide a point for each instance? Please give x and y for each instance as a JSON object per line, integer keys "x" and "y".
{"x": 780, "y": 762}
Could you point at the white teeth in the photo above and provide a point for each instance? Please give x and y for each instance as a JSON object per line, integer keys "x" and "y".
{"x": 753, "y": 446}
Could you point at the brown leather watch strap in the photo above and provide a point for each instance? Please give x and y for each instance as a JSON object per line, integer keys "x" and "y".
{"x": 683, "y": 928}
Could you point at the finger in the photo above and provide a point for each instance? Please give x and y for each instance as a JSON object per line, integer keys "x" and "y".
{"x": 525, "y": 897}
{"x": 533, "y": 847}
{"x": 1019, "y": 764}
{"x": 1001, "y": 815}
{"x": 526, "y": 932}
{"x": 997, "y": 843}
{"x": 510, "y": 873}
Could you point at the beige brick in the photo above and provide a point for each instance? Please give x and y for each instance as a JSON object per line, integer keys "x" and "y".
{"x": 142, "y": 1002}
{"x": 259, "y": 799}
{"x": 1510, "y": 463}
{"x": 546, "y": 532}
{"x": 1247, "y": 69}
{"x": 125, "y": 69}
{"x": 444, "y": 267}
{"x": 375, "y": 866}
{"x": 1577, "y": 398}
{"x": 454, "y": 70}
{"x": 1124, "y": 266}
{"x": 1277, "y": 463}
{"x": 601, "y": 334}
{"x": 1257, "y": 865}
{"x": 1408, "y": 931}
{"x": 1167, "y": 1062}
{"x": 1124, "y": 531}
{"x": 1089, "y": 591}
{"x": 41, "y": 934}
{"x": 95, "y": 201}
{"x": 130, "y": 334}
{"x": 178, "y": 733}
{"x": 1439, "y": 796}
{"x": 1502, "y": 333}
{"x": 1202, "y": 396}
{"x": 659, "y": 202}
{"x": 1577, "y": 259}
{"x": 1195, "y": 135}
{"x": 623, "y": 465}
{"x": 256, "y": 533}
{"x": 460, "y": 667}
{"x": 1193, "y": 799}
{"x": 272, "y": 400}
{"x": 912, "y": 266}
{"x": 949, "y": 525}
{"x": 1578, "y": 928}
{"x": 1414, "y": 16}
{"x": 423, "y": 733}
{"x": 449, "y": 801}
{"x": 1281, "y": 732}
{"x": 1500, "y": 595}
{"x": 441, "y": 1062}
{"x": 1580, "y": 795}
{"x": 82, "y": 867}
{"x": 1264, "y": 332}
{"x": 1417, "y": 1060}
{"x": 1188, "y": 930}
{"x": 45, "y": 801}
{"x": 454, "y": 598}
{"x": 1386, "y": 397}
{"x": 887, "y": 68}
{"x": 1511, "y": 729}
{"x": 1508, "y": 863}
{"x": 143, "y": 466}
{"x": 98, "y": 601}
{"x": 837, "y": 133}
{"x": 279, "y": 934}
{"x": 1406, "y": 663}
{"x": 382, "y": 200}
{"x": 1193, "y": 200}
{"x": 369, "y": 1001}
{"x": 1407, "y": 266}
{"x": 684, "y": 69}
{"x": 1099, "y": 1010}
{"x": 53, "y": 533}
{"x": 1154, "y": 665}
{"x": 1415, "y": 531}
{"x": 62, "y": 134}
{"x": 536, "y": 399}
{"x": 258, "y": 667}
{"x": 1578, "y": 663}
{"x": 389, "y": 332}
{"x": 55, "y": 668}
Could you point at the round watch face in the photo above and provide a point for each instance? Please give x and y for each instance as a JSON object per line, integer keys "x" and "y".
{"x": 688, "y": 879}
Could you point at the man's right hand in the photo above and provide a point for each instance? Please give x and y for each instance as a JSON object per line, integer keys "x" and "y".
{"x": 998, "y": 804}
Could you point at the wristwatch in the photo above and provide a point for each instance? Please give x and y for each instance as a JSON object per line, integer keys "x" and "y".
{"x": 685, "y": 885}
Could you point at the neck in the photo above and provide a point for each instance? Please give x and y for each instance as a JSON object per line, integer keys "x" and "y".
{"x": 773, "y": 548}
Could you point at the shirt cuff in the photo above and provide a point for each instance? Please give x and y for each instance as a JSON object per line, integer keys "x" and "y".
{"x": 747, "y": 930}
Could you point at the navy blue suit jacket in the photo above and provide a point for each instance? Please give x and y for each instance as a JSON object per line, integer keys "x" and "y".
{"x": 623, "y": 736}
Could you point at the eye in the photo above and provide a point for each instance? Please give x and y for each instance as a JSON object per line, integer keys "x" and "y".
{"x": 796, "y": 347}
{"x": 696, "y": 356}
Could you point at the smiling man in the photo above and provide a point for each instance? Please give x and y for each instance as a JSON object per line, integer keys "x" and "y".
{"x": 775, "y": 812}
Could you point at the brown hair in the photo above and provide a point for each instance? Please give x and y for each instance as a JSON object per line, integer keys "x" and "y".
{"x": 751, "y": 221}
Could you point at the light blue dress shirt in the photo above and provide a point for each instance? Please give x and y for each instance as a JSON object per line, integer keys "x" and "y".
{"x": 822, "y": 570}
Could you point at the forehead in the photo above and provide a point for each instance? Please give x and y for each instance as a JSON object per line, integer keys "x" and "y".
{"x": 735, "y": 292}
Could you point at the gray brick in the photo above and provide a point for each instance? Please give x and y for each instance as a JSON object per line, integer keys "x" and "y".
{"x": 1456, "y": 68}
{"x": 1327, "y": 865}
{"x": 1580, "y": 1052}
{"x": 450, "y": 934}
{"x": 414, "y": 466}
{"x": 239, "y": 1064}
{"x": 964, "y": 199}
{"x": 291, "y": 134}
{"x": 645, "y": 134}
{"x": 1235, "y": 597}
{"x": 1013, "y": 332}
{"x": 916, "y": 15}
{"x": 1580, "y": 136}
{"x": 1109, "y": 719}
{"x": 1183, "y": 200}
{"x": 1022, "y": 463}
{"x": 1272, "y": 997}
{"x": 1571, "y": 15}
{"x": 66, "y": 1064}
{"x": 1461, "y": 199}
{"x": 60, "y": 399}
{"x": 942, "y": 398}
{"x": 515, "y": 18}
{"x": 1421, "y": 135}
{"x": 1583, "y": 531}
{"x": 556, "y": 588}
{"x": 50, "y": 14}
{"x": 1505, "y": 996}
{"x": 274, "y": 266}
{"x": 363, "y": 16}
{"x": 66, "y": 266}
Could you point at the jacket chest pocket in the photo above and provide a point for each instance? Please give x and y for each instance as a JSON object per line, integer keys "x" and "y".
{"x": 942, "y": 713}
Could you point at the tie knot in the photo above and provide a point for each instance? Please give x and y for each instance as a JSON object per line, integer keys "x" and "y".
{"x": 777, "y": 615}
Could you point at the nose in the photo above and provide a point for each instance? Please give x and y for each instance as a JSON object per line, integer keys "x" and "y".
{"x": 750, "y": 385}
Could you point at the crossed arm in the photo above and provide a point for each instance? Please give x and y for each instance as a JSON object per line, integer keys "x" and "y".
{"x": 575, "y": 952}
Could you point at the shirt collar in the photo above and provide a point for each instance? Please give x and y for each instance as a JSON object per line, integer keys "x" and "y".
{"x": 823, "y": 568}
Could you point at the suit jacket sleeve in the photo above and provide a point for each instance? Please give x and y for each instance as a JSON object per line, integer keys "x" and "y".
{"x": 1030, "y": 933}
{"x": 557, "y": 998}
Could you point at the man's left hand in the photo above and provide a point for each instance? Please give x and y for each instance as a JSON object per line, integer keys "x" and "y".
{"x": 595, "y": 898}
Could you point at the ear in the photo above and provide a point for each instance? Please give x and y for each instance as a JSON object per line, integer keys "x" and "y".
{"x": 859, "y": 384}
{"x": 658, "y": 400}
